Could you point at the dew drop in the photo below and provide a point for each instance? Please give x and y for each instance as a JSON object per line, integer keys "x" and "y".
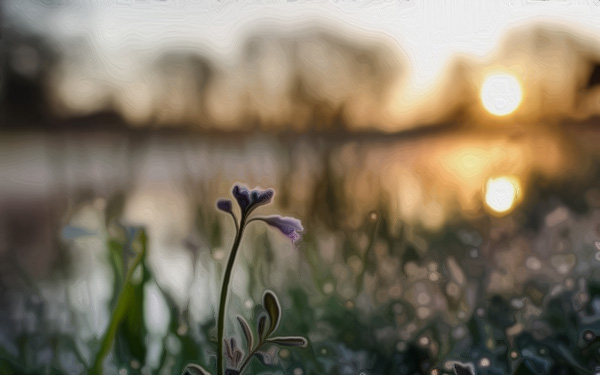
{"x": 518, "y": 303}
{"x": 182, "y": 329}
{"x": 218, "y": 255}
{"x": 484, "y": 362}
{"x": 569, "y": 283}
{"x": 474, "y": 253}
{"x": 533, "y": 263}
{"x": 423, "y": 298}
{"x": 453, "y": 290}
{"x": 423, "y": 312}
{"x": 459, "y": 332}
{"x": 589, "y": 336}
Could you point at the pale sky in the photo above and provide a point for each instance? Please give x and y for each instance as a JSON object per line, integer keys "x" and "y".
{"x": 427, "y": 33}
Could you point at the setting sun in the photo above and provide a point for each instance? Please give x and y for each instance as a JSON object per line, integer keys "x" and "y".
{"x": 501, "y": 194}
{"x": 501, "y": 94}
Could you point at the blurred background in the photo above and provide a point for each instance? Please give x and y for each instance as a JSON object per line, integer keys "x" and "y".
{"x": 443, "y": 158}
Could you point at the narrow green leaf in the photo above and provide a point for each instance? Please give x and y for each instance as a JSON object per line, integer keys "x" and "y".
{"x": 271, "y": 304}
{"x": 247, "y": 332}
{"x": 193, "y": 369}
{"x": 237, "y": 357}
{"x": 120, "y": 311}
{"x": 262, "y": 325}
{"x": 296, "y": 341}
{"x": 228, "y": 350}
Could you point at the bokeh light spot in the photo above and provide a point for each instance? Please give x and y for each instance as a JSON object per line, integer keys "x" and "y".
{"x": 501, "y": 94}
{"x": 501, "y": 194}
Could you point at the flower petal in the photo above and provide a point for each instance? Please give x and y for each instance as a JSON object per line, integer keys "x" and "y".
{"x": 260, "y": 198}
{"x": 225, "y": 205}
{"x": 289, "y": 226}
{"x": 242, "y": 196}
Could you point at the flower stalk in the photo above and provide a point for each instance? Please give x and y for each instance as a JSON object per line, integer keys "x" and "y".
{"x": 224, "y": 294}
{"x": 248, "y": 201}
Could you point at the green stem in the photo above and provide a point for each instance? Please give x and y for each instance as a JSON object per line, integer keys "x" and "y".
{"x": 224, "y": 291}
{"x": 119, "y": 311}
{"x": 249, "y": 357}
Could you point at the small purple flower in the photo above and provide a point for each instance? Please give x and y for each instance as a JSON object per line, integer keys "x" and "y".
{"x": 248, "y": 200}
{"x": 225, "y": 205}
{"x": 287, "y": 225}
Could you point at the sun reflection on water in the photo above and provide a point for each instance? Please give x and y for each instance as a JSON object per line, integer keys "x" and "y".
{"x": 502, "y": 193}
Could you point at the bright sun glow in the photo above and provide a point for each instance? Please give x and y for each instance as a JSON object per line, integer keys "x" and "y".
{"x": 502, "y": 193}
{"x": 501, "y": 94}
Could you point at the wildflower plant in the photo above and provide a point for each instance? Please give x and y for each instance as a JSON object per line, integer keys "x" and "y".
{"x": 268, "y": 320}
